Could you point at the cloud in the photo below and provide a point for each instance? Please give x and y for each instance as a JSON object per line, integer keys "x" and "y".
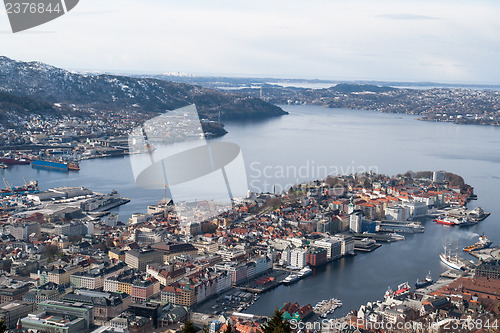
{"x": 406, "y": 16}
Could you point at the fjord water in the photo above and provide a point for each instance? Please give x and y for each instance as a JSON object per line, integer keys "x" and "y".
{"x": 299, "y": 147}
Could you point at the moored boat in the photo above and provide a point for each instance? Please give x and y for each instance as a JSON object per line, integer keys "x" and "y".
{"x": 290, "y": 279}
{"x": 306, "y": 271}
{"x": 14, "y": 161}
{"x": 449, "y": 260}
{"x": 403, "y": 289}
{"x": 31, "y": 187}
{"x": 446, "y": 220}
{"x": 482, "y": 243}
{"x": 424, "y": 283}
{"x": 464, "y": 222}
{"x": 74, "y": 166}
{"x": 56, "y": 165}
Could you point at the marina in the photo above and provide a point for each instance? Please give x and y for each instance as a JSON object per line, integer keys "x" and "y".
{"x": 326, "y": 307}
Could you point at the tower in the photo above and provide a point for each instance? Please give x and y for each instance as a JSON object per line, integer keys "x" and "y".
{"x": 350, "y": 207}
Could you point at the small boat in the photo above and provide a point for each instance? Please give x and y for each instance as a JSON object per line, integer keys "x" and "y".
{"x": 424, "y": 283}
{"x": 74, "y": 166}
{"x": 3, "y": 166}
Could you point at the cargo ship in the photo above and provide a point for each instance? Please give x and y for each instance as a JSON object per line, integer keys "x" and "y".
{"x": 31, "y": 187}
{"x": 55, "y": 165}
{"x": 482, "y": 243}
{"x": 14, "y": 161}
{"x": 424, "y": 283}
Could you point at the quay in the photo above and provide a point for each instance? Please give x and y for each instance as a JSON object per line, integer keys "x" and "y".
{"x": 366, "y": 245}
{"x": 452, "y": 274}
{"x": 492, "y": 253}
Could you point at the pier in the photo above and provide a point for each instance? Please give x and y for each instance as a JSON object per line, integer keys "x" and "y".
{"x": 366, "y": 245}
{"x": 492, "y": 253}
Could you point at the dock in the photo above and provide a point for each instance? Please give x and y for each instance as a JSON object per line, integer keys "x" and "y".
{"x": 492, "y": 253}
{"x": 452, "y": 274}
{"x": 366, "y": 245}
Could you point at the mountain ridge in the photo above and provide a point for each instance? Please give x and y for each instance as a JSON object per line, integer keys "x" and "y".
{"x": 50, "y": 84}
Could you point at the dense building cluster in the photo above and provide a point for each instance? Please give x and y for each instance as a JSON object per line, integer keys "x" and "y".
{"x": 81, "y": 274}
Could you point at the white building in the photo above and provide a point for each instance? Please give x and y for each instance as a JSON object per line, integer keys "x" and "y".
{"x": 416, "y": 208}
{"x": 397, "y": 212}
{"x": 355, "y": 222}
{"x": 298, "y": 258}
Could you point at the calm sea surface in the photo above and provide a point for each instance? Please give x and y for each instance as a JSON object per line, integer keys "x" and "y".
{"x": 311, "y": 142}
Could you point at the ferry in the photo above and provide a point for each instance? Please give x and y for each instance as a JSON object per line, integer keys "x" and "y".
{"x": 424, "y": 283}
{"x": 482, "y": 243}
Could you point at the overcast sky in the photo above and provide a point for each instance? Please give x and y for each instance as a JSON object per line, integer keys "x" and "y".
{"x": 444, "y": 41}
